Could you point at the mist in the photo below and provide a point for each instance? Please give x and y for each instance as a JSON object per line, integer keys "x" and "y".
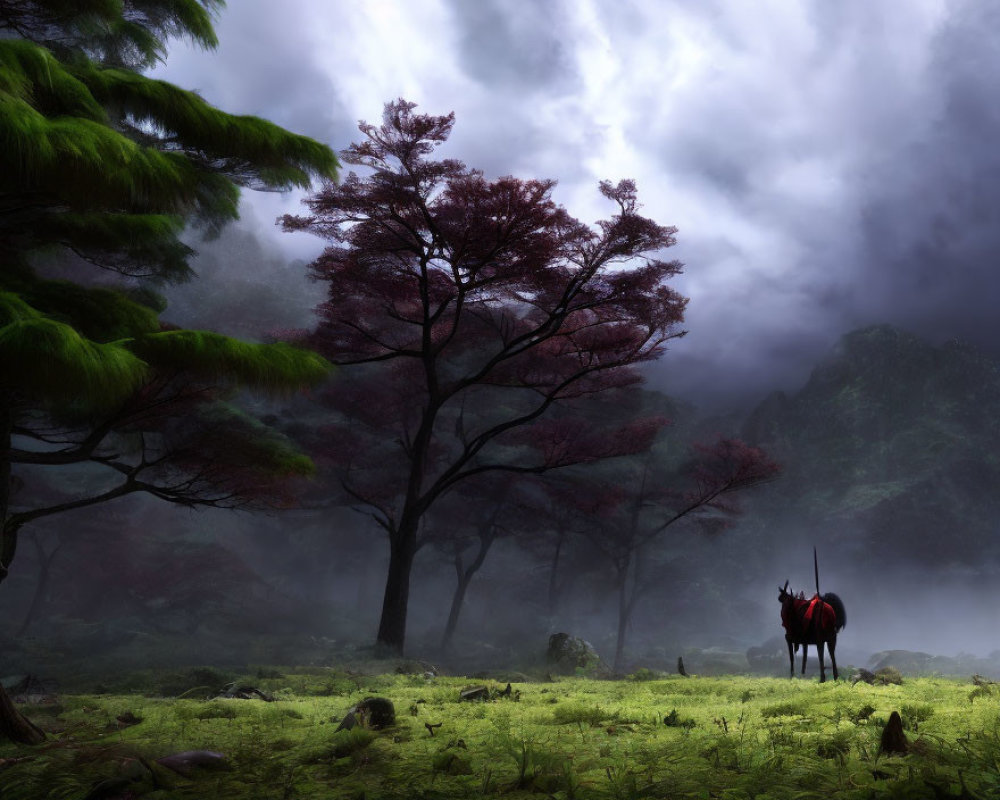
{"x": 830, "y": 169}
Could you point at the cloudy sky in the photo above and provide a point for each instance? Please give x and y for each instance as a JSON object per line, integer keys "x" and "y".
{"x": 828, "y": 165}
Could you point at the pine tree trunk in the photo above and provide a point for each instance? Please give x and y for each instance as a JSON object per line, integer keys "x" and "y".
{"x": 14, "y": 726}
{"x": 8, "y": 532}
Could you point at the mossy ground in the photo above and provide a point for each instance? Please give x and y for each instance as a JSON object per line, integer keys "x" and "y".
{"x": 730, "y": 737}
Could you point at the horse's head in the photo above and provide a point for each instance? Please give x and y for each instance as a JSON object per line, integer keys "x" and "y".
{"x": 783, "y": 593}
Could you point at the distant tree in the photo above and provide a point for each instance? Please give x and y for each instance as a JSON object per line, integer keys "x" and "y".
{"x": 463, "y": 310}
{"x": 464, "y": 527}
{"x": 109, "y": 165}
{"x": 654, "y": 494}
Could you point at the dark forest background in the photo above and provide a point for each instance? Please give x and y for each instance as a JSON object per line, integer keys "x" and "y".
{"x": 889, "y": 455}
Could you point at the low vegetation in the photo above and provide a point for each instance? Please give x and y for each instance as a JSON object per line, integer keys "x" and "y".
{"x": 733, "y": 737}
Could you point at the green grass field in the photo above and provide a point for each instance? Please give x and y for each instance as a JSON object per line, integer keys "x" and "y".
{"x": 730, "y": 737}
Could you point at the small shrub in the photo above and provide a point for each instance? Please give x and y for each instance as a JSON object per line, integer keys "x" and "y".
{"x": 889, "y": 675}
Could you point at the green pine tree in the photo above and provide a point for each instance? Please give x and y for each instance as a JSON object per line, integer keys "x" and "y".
{"x": 103, "y": 168}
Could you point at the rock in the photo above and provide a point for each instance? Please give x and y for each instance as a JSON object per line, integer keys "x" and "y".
{"x": 475, "y": 693}
{"x": 893, "y": 738}
{"x": 881, "y": 677}
{"x": 349, "y": 721}
{"x": 236, "y": 691}
{"x": 372, "y": 712}
{"x": 566, "y": 654}
{"x": 126, "y": 720}
{"x": 378, "y": 711}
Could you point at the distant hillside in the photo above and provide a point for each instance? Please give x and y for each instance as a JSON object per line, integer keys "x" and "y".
{"x": 893, "y": 446}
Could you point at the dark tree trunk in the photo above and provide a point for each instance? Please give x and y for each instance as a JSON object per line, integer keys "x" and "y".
{"x": 457, "y": 600}
{"x": 13, "y": 725}
{"x": 395, "y": 602}
{"x": 8, "y": 531}
{"x": 403, "y": 537}
{"x": 553, "y": 598}
{"x": 487, "y": 535}
{"x": 628, "y": 597}
{"x": 624, "y": 609}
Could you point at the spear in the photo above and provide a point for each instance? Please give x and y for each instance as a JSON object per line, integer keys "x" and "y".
{"x": 816, "y": 568}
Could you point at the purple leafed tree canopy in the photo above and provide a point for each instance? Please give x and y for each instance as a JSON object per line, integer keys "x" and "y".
{"x": 469, "y": 316}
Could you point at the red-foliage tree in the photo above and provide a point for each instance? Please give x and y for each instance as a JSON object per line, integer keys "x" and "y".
{"x": 654, "y": 496}
{"x": 463, "y": 310}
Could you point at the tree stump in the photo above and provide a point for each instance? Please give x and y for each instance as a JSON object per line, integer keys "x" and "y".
{"x": 893, "y": 738}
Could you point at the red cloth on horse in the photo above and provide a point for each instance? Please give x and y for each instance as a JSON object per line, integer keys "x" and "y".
{"x": 802, "y": 614}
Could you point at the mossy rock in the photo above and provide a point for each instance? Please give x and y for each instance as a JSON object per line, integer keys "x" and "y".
{"x": 569, "y": 655}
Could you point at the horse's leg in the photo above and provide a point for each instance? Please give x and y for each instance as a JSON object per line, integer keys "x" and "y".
{"x": 805, "y": 651}
{"x": 833, "y": 658}
{"x": 791, "y": 659}
{"x": 822, "y": 666}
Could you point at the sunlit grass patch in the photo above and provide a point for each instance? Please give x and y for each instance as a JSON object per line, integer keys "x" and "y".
{"x": 571, "y": 738}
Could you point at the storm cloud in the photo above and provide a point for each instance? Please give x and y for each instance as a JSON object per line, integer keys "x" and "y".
{"x": 828, "y": 165}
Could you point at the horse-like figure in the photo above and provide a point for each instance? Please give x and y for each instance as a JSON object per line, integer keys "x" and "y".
{"x": 816, "y": 620}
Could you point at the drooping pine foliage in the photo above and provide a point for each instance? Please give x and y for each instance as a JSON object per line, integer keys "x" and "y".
{"x": 265, "y": 366}
{"x": 101, "y": 165}
{"x": 126, "y": 32}
{"x": 98, "y": 158}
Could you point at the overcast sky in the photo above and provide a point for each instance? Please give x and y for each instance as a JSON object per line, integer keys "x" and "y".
{"x": 828, "y": 164}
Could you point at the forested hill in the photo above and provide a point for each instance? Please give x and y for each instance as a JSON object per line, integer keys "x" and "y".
{"x": 892, "y": 448}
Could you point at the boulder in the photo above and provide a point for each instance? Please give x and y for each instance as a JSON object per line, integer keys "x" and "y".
{"x": 567, "y": 655}
{"x": 372, "y": 712}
